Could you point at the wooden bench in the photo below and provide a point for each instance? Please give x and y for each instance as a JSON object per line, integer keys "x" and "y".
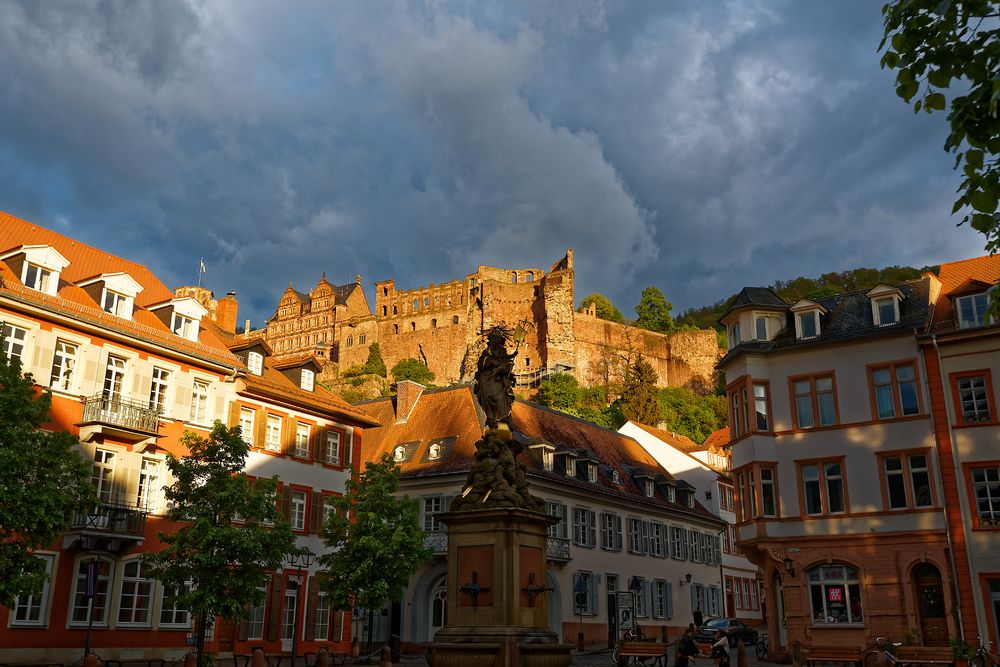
{"x": 820, "y": 655}
{"x": 922, "y": 655}
{"x": 656, "y": 650}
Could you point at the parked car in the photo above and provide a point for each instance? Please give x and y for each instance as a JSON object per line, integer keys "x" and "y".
{"x": 735, "y": 630}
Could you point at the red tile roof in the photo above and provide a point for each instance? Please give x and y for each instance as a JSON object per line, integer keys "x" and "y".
{"x": 717, "y": 439}
{"x": 86, "y": 262}
{"x": 955, "y": 275}
{"x": 453, "y": 412}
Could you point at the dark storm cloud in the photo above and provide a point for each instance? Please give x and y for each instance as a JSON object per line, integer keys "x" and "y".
{"x": 695, "y": 146}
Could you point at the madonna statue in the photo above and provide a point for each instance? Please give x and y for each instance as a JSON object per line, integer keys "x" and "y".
{"x": 494, "y": 385}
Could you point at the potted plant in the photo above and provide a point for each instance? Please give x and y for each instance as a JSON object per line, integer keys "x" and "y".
{"x": 961, "y": 652}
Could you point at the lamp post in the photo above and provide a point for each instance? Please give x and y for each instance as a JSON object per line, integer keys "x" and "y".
{"x": 89, "y": 544}
{"x": 580, "y": 597}
{"x": 635, "y": 588}
{"x": 298, "y": 560}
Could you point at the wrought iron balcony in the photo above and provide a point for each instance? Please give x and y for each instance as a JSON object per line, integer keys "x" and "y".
{"x": 121, "y": 414}
{"x": 437, "y": 541}
{"x": 557, "y": 549}
{"x": 107, "y": 526}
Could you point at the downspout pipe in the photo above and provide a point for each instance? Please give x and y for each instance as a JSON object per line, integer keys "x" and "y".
{"x": 947, "y": 523}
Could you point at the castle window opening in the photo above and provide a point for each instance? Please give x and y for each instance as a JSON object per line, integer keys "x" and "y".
{"x": 527, "y": 361}
{"x": 416, "y": 304}
{"x": 449, "y": 301}
{"x": 529, "y": 277}
{"x": 454, "y": 319}
{"x": 393, "y": 309}
{"x": 413, "y": 326}
{"x": 350, "y": 341}
{"x": 427, "y": 301}
{"x": 434, "y": 324}
{"x": 384, "y": 311}
{"x": 361, "y": 339}
{"x": 513, "y": 277}
{"x": 385, "y": 291}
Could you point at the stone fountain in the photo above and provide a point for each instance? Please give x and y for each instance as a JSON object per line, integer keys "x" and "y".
{"x": 497, "y": 609}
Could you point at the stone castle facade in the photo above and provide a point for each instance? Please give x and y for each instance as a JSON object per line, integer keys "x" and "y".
{"x": 442, "y": 325}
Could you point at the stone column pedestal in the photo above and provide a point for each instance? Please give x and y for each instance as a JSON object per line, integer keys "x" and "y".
{"x": 494, "y": 557}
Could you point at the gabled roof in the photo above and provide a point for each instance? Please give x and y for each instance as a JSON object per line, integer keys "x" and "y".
{"x": 760, "y": 297}
{"x": 955, "y": 276}
{"x": 453, "y": 412}
{"x": 296, "y": 361}
{"x": 718, "y": 439}
{"x": 73, "y": 301}
{"x": 681, "y": 443}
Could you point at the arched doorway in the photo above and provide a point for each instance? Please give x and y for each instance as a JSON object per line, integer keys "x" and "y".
{"x": 437, "y": 615}
{"x": 930, "y": 605}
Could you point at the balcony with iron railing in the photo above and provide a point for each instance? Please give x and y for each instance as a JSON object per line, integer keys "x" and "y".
{"x": 116, "y": 525}
{"x": 123, "y": 416}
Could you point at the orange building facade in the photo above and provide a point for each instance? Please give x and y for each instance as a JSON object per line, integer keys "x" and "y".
{"x": 131, "y": 367}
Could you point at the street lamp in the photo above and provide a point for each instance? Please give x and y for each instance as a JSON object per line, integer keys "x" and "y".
{"x": 298, "y": 560}
{"x": 635, "y": 588}
{"x": 89, "y": 544}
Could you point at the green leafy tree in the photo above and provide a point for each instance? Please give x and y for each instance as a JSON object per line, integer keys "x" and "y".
{"x": 224, "y": 561}
{"x": 561, "y": 391}
{"x": 932, "y": 44}
{"x": 653, "y": 311}
{"x": 375, "y": 365}
{"x": 372, "y": 556}
{"x": 44, "y": 481}
{"x": 412, "y": 369}
{"x": 639, "y": 401}
{"x": 687, "y": 413}
{"x": 605, "y": 309}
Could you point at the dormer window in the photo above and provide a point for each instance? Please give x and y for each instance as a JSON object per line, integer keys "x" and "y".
{"x": 971, "y": 310}
{"x": 38, "y": 266}
{"x": 650, "y": 488}
{"x": 734, "y": 334}
{"x": 548, "y": 458}
{"x": 116, "y": 304}
{"x": 570, "y": 464}
{"x": 434, "y": 452}
{"x": 671, "y": 493}
{"x": 885, "y": 305}
{"x": 807, "y": 319}
{"x": 760, "y": 328}
{"x": 399, "y": 454}
{"x": 308, "y": 379}
{"x": 615, "y": 477}
{"x": 115, "y": 292}
{"x": 255, "y": 362}
{"x": 586, "y": 471}
{"x": 183, "y": 326}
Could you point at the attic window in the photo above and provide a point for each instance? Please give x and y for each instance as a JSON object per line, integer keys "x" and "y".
{"x": 615, "y": 477}
{"x": 650, "y": 488}
{"x": 307, "y": 380}
{"x": 38, "y": 265}
{"x": 399, "y": 454}
{"x": 38, "y": 278}
{"x": 570, "y": 461}
{"x": 971, "y": 310}
{"x": 586, "y": 471}
{"x": 689, "y": 499}
{"x": 807, "y": 324}
{"x": 116, "y": 304}
{"x": 548, "y": 457}
{"x": 734, "y": 335}
{"x": 671, "y": 493}
{"x": 434, "y": 452}
{"x": 184, "y": 326}
{"x": 886, "y": 311}
{"x": 255, "y": 362}
{"x": 760, "y": 328}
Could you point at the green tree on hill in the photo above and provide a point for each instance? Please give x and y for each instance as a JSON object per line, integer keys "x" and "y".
{"x": 653, "y": 312}
{"x": 639, "y": 401}
{"x": 412, "y": 369}
{"x": 605, "y": 309}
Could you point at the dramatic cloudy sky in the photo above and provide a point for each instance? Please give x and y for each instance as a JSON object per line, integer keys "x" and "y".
{"x": 697, "y": 146}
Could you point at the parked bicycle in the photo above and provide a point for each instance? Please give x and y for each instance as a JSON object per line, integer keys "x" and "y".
{"x": 982, "y": 656}
{"x": 762, "y": 646}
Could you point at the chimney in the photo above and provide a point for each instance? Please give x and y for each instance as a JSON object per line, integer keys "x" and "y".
{"x": 407, "y": 394}
{"x": 225, "y": 312}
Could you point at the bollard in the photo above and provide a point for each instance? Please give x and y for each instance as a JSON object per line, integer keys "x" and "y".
{"x": 190, "y": 660}
{"x": 355, "y": 648}
{"x": 257, "y": 658}
{"x": 741, "y": 655}
{"x": 385, "y": 658}
{"x": 91, "y": 660}
{"x": 322, "y": 658}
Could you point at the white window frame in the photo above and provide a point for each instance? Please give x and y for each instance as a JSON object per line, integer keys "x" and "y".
{"x": 636, "y": 544}
{"x": 297, "y": 510}
{"x": 39, "y": 278}
{"x": 734, "y": 335}
{"x": 64, "y": 361}
{"x": 662, "y": 594}
{"x": 307, "y": 380}
{"x": 877, "y": 304}
{"x": 255, "y": 362}
{"x": 799, "y": 329}
{"x": 141, "y": 586}
{"x": 332, "y": 454}
{"x": 199, "y": 401}
{"x": 980, "y": 304}
{"x": 39, "y": 604}
{"x": 584, "y": 527}
{"x": 173, "y": 610}
{"x": 302, "y": 434}
{"x": 80, "y": 590}
{"x": 15, "y": 340}
{"x": 147, "y": 492}
{"x": 184, "y": 326}
{"x": 247, "y": 424}
{"x": 321, "y": 617}
{"x": 611, "y": 531}
{"x": 257, "y": 612}
{"x": 116, "y": 303}
{"x": 430, "y": 508}
{"x": 114, "y": 377}
{"x": 560, "y": 529}
{"x": 272, "y": 430}
{"x": 102, "y": 474}
{"x": 159, "y": 384}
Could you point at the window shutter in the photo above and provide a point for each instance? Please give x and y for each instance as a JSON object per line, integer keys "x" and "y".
{"x": 643, "y": 537}
{"x": 274, "y": 610}
{"x": 319, "y": 443}
{"x": 591, "y": 528}
{"x": 234, "y": 416}
{"x": 316, "y": 525}
{"x": 260, "y": 428}
{"x": 694, "y": 599}
{"x": 646, "y": 597}
{"x": 286, "y": 502}
{"x": 338, "y": 627}
{"x": 595, "y": 584}
{"x": 718, "y": 548}
{"x": 670, "y": 599}
{"x": 311, "y": 610}
{"x": 684, "y": 544}
{"x": 287, "y": 434}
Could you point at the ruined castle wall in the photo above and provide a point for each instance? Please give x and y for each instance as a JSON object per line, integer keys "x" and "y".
{"x": 558, "y": 327}
{"x": 354, "y": 340}
{"x": 684, "y": 359}
{"x": 441, "y": 347}
{"x": 515, "y": 304}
